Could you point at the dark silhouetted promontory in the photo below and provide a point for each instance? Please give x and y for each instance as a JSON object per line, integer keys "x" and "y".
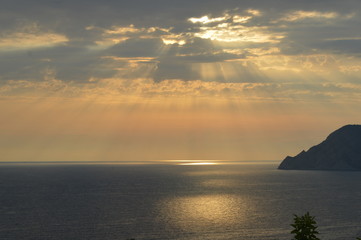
{"x": 340, "y": 151}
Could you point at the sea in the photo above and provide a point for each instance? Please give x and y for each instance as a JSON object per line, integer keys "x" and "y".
{"x": 110, "y": 201}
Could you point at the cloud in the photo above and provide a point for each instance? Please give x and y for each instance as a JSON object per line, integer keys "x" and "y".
{"x": 20, "y": 41}
{"x": 29, "y": 36}
{"x": 343, "y": 46}
{"x": 117, "y": 34}
{"x": 232, "y": 27}
{"x": 223, "y": 41}
{"x": 138, "y": 47}
{"x": 206, "y": 19}
{"x": 71, "y": 63}
{"x": 138, "y": 91}
{"x": 315, "y": 15}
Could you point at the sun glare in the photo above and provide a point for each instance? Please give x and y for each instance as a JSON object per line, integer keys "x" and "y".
{"x": 193, "y": 162}
{"x": 198, "y": 163}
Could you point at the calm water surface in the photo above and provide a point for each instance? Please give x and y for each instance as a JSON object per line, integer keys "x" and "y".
{"x": 245, "y": 201}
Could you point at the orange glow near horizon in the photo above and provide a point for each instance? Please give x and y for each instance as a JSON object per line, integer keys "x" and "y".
{"x": 62, "y": 129}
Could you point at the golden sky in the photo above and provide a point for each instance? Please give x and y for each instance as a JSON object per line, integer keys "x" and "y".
{"x": 164, "y": 80}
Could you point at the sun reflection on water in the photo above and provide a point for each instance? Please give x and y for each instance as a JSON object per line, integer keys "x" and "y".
{"x": 218, "y": 183}
{"x": 192, "y": 213}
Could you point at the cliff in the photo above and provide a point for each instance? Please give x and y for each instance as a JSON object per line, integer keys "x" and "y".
{"x": 340, "y": 151}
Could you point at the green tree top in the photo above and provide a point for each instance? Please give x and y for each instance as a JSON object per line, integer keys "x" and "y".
{"x": 304, "y": 227}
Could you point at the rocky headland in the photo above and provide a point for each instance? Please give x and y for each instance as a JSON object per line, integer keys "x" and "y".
{"x": 340, "y": 151}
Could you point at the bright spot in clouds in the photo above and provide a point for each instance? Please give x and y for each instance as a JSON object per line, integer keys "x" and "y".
{"x": 206, "y": 19}
{"x": 234, "y": 31}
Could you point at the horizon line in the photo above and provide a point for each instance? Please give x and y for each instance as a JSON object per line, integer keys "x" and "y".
{"x": 149, "y": 162}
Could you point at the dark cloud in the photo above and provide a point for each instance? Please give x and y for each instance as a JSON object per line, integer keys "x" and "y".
{"x": 138, "y": 47}
{"x": 200, "y": 50}
{"x": 175, "y": 70}
{"x": 210, "y": 57}
{"x": 86, "y": 23}
{"x": 65, "y": 62}
{"x": 148, "y": 13}
{"x": 345, "y": 46}
{"x": 199, "y": 46}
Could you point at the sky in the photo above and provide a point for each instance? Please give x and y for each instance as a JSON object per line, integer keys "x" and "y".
{"x": 121, "y": 80}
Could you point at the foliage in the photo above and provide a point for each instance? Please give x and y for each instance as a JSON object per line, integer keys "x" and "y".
{"x": 304, "y": 227}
